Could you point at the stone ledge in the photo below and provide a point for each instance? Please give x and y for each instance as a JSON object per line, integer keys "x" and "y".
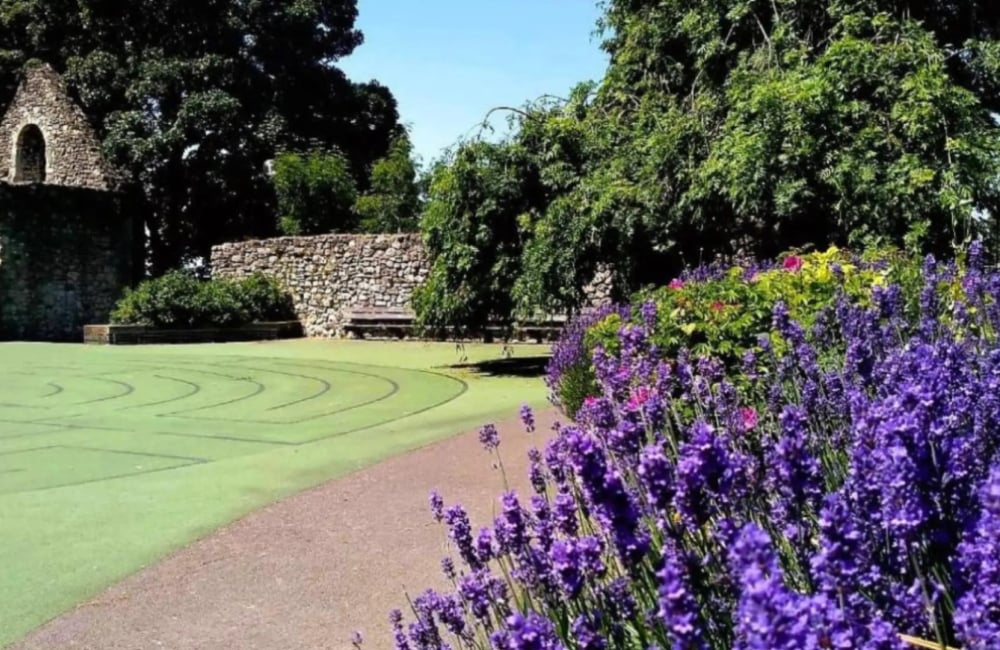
{"x": 141, "y": 334}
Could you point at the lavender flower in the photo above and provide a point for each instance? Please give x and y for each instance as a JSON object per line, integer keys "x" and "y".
{"x": 705, "y": 474}
{"x": 657, "y": 475}
{"x": 531, "y": 632}
{"x": 678, "y": 606}
{"x": 437, "y": 506}
{"x": 606, "y": 492}
{"x": 528, "y": 418}
{"x": 575, "y": 560}
{"x": 511, "y": 528}
{"x": 537, "y": 471}
{"x": 401, "y": 642}
{"x": 485, "y": 547}
{"x": 794, "y": 477}
{"x": 586, "y": 635}
{"x": 460, "y": 531}
{"x": 977, "y": 612}
{"x": 489, "y": 437}
{"x": 565, "y": 513}
{"x": 475, "y": 592}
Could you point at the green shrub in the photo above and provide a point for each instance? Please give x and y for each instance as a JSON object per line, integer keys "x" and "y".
{"x": 265, "y": 299}
{"x": 724, "y": 316}
{"x": 724, "y": 313}
{"x": 180, "y": 300}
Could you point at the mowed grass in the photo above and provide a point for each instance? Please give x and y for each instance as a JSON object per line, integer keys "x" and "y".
{"x": 111, "y": 458}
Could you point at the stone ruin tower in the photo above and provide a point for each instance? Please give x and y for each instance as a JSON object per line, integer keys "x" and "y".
{"x": 67, "y": 239}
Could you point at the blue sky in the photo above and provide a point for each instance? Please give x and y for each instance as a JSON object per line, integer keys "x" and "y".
{"x": 449, "y": 61}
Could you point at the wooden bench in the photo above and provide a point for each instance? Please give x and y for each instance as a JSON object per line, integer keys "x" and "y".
{"x": 399, "y": 323}
{"x": 377, "y": 320}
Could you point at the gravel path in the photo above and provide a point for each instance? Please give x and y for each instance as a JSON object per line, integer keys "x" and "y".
{"x": 307, "y": 571}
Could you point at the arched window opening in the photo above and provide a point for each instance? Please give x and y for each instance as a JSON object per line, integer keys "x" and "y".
{"x": 29, "y": 162}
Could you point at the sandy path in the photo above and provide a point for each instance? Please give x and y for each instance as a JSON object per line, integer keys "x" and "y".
{"x": 307, "y": 571}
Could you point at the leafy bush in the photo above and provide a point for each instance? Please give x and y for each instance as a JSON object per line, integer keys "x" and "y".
{"x": 837, "y": 490}
{"x": 722, "y": 312}
{"x": 180, "y": 300}
{"x": 264, "y": 298}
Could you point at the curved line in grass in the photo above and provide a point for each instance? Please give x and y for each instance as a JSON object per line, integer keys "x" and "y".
{"x": 128, "y": 390}
{"x": 195, "y": 389}
{"x": 56, "y": 389}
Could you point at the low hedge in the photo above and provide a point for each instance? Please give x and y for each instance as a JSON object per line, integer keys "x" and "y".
{"x": 178, "y": 299}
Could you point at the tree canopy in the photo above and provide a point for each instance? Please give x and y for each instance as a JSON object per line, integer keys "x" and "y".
{"x": 736, "y": 126}
{"x": 392, "y": 203}
{"x": 192, "y": 98}
{"x": 316, "y": 193}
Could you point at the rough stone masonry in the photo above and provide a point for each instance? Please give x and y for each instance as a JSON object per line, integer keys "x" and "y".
{"x": 46, "y": 138}
{"x": 67, "y": 238}
{"x": 328, "y": 275}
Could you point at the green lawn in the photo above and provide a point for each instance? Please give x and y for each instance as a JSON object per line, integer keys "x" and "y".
{"x": 110, "y": 458}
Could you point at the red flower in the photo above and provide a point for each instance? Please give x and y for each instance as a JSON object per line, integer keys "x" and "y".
{"x": 639, "y": 397}
{"x": 676, "y": 283}
{"x": 718, "y": 305}
{"x": 792, "y": 263}
{"x": 749, "y": 416}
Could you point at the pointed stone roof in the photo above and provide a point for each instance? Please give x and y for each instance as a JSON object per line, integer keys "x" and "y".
{"x": 45, "y": 136}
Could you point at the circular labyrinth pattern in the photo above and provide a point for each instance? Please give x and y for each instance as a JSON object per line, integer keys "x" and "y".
{"x": 65, "y": 424}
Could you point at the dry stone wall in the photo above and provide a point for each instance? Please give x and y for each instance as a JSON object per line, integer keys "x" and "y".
{"x": 329, "y": 275}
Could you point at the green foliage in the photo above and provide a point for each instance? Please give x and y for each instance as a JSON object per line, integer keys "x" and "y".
{"x": 316, "y": 193}
{"x": 724, "y": 317}
{"x": 392, "y": 203}
{"x": 576, "y": 384}
{"x": 745, "y": 127}
{"x": 180, "y": 300}
{"x": 192, "y": 99}
{"x": 472, "y": 228}
{"x": 264, "y": 299}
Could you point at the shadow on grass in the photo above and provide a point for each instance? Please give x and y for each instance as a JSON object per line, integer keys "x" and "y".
{"x": 509, "y": 367}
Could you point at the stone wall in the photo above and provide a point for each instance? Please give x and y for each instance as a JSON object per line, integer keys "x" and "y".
{"x": 328, "y": 275}
{"x": 72, "y": 153}
{"x": 66, "y": 256}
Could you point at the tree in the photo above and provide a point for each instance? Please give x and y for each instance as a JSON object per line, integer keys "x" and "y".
{"x": 472, "y": 227}
{"x": 316, "y": 193}
{"x": 392, "y": 203}
{"x": 748, "y": 126}
{"x": 192, "y": 98}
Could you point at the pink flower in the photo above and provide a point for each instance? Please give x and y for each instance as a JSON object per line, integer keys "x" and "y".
{"x": 676, "y": 283}
{"x": 792, "y": 263}
{"x": 590, "y": 401}
{"x": 749, "y": 416}
{"x": 718, "y": 305}
{"x": 639, "y": 397}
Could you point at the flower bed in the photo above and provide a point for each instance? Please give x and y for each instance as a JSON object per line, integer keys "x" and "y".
{"x": 837, "y": 487}
{"x": 721, "y": 312}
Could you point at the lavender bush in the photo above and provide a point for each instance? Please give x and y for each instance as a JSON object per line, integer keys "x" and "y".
{"x": 841, "y": 490}
{"x": 569, "y": 376}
